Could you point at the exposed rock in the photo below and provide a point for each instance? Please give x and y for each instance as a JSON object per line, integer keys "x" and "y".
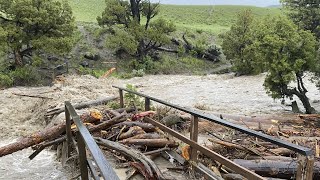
{"x": 84, "y": 64}
{"x": 92, "y": 56}
{"x": 172, "y": 120}
{"x": 52, "y": 58}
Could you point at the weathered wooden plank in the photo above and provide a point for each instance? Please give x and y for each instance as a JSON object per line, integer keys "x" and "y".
{"x": 106, "y": 169}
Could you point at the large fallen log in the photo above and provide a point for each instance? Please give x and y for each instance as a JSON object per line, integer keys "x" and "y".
{"x": 94, "y": 116}
{"x": 272, "y": 158}
{"x": 81, "y": 105}
{"x": 107, "y": 124}
{"x": 146, "y": 136}
{"x": 278, "y": 169}
{"x": 50, "y": 133}
{"x": 41, "y": 146}
{"x": 154, "y": 143}
{"x": 135, "y": 130}
{"x": 145, "y": 126}
{"x": 227, "y": 144}
{"x": 33, "y": 139}
{"x": 149, "y": 165}
{"x": 282, "y": 151}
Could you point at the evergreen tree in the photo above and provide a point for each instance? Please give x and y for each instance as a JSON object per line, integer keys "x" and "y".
{"x": 306, "y": 14}
{"x": 289, "y": 52}
{"x": 237, "y": 45}
{"x": 29, "y": 26}
{"x": 134, "y": 30}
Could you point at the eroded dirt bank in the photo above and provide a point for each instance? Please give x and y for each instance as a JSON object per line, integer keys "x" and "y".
{"x": 220, "y": 93}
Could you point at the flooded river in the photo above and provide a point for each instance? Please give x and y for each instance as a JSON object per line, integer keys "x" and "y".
{"x": 20, "y": 116}
{"x": 18, "y": 166}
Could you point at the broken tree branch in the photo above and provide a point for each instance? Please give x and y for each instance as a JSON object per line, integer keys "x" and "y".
{"x": 82, "y": 105}
{"x": 150, "y": 166}
{"x": 156, "y": 143}
{"x": 36, "y": 138}
{"x": 31, "y": 96}
{"x": 279, "y": 169}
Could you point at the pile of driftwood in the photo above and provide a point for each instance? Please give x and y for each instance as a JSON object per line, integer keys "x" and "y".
{"x": 121, "y": 131}
{"x": 136, "y": 143}
{"x": 265, "y": 158}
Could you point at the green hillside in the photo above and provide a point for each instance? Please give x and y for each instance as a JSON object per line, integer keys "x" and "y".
{"x": 208, "y": 18}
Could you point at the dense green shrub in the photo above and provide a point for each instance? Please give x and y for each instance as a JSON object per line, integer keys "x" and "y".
{"x": 237, "y": 44}
{"x": 26, "y": 75}
{"x": 5, "y": 81}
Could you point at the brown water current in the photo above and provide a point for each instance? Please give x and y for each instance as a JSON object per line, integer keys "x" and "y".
{"x": 20, "y": 116}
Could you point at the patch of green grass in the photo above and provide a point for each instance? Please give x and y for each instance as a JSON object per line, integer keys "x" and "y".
{"x": 214, "y": 19}
{"x": 87, "y": 10}
{"x": 169, "y": 64}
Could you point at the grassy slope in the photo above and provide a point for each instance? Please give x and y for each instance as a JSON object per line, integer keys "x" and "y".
{"x": 214, "y": 19}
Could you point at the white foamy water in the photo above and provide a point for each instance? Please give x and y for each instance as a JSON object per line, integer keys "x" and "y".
{"x": 19, "y": 166}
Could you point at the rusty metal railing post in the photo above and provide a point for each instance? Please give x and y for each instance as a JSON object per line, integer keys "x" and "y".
{"x": 121, "y": 98}
{"x": 68, "y": 131}
{"x": 82, "y": 157}
{"x": 194, "y": 137}
{"x": 147, "y": 104}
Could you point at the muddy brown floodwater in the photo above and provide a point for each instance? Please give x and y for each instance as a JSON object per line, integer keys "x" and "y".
{"x": 20, "y": 116}
{"x": 225, "y": 93}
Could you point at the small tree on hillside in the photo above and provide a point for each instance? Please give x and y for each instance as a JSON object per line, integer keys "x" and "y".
{"x": 306, "y": 14}
{"x": 237, "y": 44}
{"x": 288, "y": 52}
{"x": 134, "y": 30}
{"x": 27, "y": 26}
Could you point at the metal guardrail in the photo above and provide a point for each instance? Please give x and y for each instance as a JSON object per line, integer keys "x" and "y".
{"x": 305, "y": 169}
{"x": 86, "y": 141}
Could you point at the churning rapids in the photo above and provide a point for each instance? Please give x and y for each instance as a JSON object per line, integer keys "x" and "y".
{"x": 21, "y": 116}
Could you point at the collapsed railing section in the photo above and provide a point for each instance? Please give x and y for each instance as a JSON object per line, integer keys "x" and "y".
{"x": 86, "y": 141}
{"x": 306, "y": 163}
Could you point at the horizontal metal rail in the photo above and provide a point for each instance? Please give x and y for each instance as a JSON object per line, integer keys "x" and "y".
{"x": 296, "y": 148}
{"x": 105, "y": 168}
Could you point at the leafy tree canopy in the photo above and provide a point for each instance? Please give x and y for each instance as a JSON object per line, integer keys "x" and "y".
{"x": 306, "y": 14}
{"x": 276, "y": 45}
{"x": 29, "y": 26}
{"x": 289, "y": 52}
{"x": 237, "y": 44}
{"x": 134, "y": 30}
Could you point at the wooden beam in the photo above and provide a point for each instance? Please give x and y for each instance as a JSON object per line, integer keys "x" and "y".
{"x": 309, "y": 167}
{"x": 147, "y": 104}
{"x": 68, "y": 132}
{"x": 121, "y": 98}
{"x": 194, "y": 137}
{"x": 82, "y": 157}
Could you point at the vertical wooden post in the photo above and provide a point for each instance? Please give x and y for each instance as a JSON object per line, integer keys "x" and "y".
{"x": 121, "y": 98}
{"x": 68, "y": 131}
{"x": 300, "y": 168}
{"x": 194, "y": 136}
{"x": 309, "y": 167}
{"x": 147, "y": 104}
{"x": 82, "y": 157}
{"x": 305, "y": 168}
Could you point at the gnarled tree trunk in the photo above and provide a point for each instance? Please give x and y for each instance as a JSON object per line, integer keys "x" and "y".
{"x": 18, "y": 57}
